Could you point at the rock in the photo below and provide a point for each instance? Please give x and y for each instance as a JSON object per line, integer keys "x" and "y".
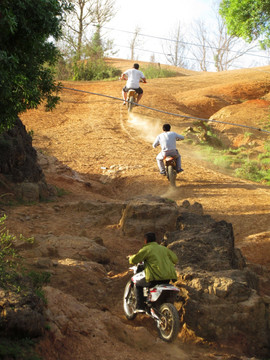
{"x": 44, "y": 263}
{"x": 150, "y": 213}
{"x": 220, "y": 299}
{"x": 67, "y": 246}
{"x": 88, "y": 333}
{"x": 21, "y": 314}
{"x": 29, "y": 191}
{"x": 95, "y": 252}
{"x": 19, "y": 167}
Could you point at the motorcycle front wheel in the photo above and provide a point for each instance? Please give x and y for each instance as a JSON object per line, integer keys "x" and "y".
{"x": 169, "y": 322}
{"x": 129, "y": 301}
{"x": 171, "y": 175}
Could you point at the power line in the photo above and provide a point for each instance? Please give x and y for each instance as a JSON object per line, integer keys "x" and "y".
{"x": 182, "y": 57}
{"x": 183, "y": 42}
{"x": 169, "y": 113}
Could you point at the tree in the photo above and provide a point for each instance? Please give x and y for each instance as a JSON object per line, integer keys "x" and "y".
{"x": 226, "y": 48}
{"x": 102, "y": 11}
{"x": 201, "y": 51}
{"x": 77, "y": 23}
{"x": 26, "y": 54}
{"x": 217, "y": 44}
{"x": 176, "y": 48}
{"x": 85, "y": 13}
{"x": 249, "y": 19}
{"x": 95, "y": 48}
{"x": 134, "y": 42}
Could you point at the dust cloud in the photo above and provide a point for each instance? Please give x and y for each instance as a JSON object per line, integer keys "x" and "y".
{"x": 148, "y": 127}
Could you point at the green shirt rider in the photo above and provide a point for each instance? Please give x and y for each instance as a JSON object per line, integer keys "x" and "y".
{"x": 159, "y": 267}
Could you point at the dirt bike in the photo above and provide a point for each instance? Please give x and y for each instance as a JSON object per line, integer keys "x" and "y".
{"x": 170, "y": 167}
{"x": 158, "y": 301}
{"x": 132, "y": 97}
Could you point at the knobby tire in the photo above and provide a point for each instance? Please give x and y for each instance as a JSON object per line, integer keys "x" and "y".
{"x": 171, "y": 175}
{"x": 170, "y": 322}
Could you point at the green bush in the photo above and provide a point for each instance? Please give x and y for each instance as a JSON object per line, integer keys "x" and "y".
{"x": 252, "y": 170}
{"x": 155, "y": 71}
{"x": 10, "y": 261}
{"x": 86, "y": 70}
{"x": 94, "y": 70}
{"x": 223, "y": 161}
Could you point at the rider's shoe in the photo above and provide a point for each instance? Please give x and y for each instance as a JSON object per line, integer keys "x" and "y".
{"x": 124, "y": 103}
{"x": 163, "y": 173}
{"x": 178, "y": 171}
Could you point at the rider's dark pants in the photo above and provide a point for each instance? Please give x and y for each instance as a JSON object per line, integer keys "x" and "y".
{"x": 139, "y": 290}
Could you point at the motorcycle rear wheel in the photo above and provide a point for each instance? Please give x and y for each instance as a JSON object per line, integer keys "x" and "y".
{"x": 129, "y": 301}
{"x": 171, "y": 175}
{"x": 131, "y": 103}
{"x": 170, "y": 323}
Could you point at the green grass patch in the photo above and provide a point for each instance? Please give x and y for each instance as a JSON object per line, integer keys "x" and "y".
{"x": 155, "y": 71}
{"x": 237, "y": 161}
{"x": 252, "y": 170}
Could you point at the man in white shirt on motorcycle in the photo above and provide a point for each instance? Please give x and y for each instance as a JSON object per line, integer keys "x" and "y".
{"x": 133, "y": 77}
{"x": 167, "y": 141}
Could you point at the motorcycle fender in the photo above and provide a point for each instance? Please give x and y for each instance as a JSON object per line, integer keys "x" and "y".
{"x": 156, "y": 291}
{"x": 132, "y": 93}
{"x": 138, "y": 277}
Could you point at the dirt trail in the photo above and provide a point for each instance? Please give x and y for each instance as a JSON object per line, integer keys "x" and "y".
{"x": 92, "y": 135}
{"x": 88, "y": 132}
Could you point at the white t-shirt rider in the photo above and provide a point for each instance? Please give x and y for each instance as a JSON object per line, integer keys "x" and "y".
{"x": 134, "y": 76}
{"x": 167, "y": 140}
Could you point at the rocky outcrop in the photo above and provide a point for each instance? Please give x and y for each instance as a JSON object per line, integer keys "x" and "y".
{"x": 151, "y": 213}
{"x": 66, "y": 246}
{"x": 21, "y": 313}
{"x": 20, "y": 173}
{"x": 220, "y": 295}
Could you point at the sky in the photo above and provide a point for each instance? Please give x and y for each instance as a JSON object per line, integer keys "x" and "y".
{"x": 156, "y": 18}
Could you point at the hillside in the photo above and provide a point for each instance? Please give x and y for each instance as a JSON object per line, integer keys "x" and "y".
{"x": 90, "y": 148}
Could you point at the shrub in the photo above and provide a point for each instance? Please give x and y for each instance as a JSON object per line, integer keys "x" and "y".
{"x": 155, "y": 71}
{"x": 252, "y": 170}
{"x": 13, "y": 279}
{"x": 10, "y": 261}
{"x": 86, "y": 70}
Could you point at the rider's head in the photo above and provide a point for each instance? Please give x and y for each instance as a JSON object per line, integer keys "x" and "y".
{"x": 136, "y": 66}
{"x": 149, "y": 237}
{"x": 166, "y": 127}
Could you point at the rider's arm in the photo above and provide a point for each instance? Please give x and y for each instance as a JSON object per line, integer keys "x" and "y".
{"x": 173, "y": 256}
{"x": 137, "y": 258}
{"x": 123, "y": 77}
{"x": 179, "y": 137}
{"x": 156, "y": 142}
{"x": 144, "y": 80}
